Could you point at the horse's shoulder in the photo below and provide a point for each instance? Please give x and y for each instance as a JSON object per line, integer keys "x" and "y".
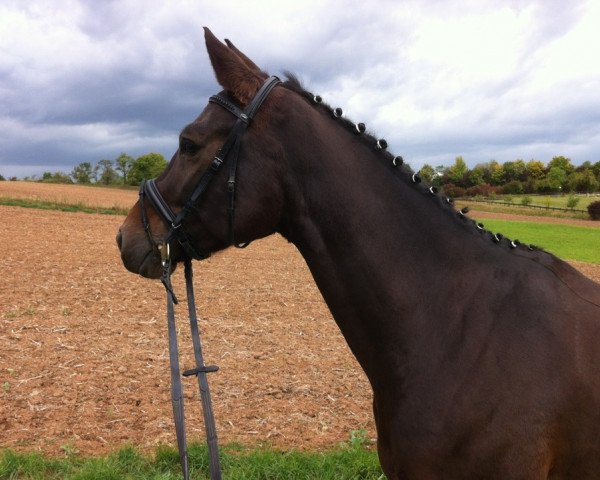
{"x": 580, "y": 285}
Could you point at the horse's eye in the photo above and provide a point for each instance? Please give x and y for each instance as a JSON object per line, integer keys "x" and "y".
{"x": 187, "y": 147}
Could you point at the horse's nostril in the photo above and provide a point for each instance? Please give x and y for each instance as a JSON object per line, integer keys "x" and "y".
{"x": 119, "y": 239}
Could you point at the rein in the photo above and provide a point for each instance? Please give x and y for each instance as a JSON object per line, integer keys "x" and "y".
{"x": 177, "y": 232}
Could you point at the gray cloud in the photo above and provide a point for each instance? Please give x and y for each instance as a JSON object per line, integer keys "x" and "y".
{"x": 83, "y": 80}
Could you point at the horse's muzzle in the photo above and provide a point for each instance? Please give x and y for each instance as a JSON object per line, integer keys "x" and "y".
{"x": 138, "y": 256}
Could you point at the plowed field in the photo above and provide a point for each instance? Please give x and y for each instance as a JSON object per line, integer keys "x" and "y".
{"x": 83, "y": 347}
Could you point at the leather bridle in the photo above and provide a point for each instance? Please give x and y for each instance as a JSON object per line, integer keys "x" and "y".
{"x": 228, "y": 152}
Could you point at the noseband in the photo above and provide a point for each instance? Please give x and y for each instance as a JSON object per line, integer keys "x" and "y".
{"x": 229, "y": 150}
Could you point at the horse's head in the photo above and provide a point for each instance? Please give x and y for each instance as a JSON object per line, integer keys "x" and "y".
{"x": 250, "y": 179}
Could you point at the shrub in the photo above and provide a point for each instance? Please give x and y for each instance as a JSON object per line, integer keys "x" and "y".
{"x": 483, "y": 190}
{"x": 594, "y": 210}
{"x": 56, "y": 177}
{"x": 453, "y": 191}
{"x": 572, "y": 201}
{"x": 530, "y": 186}
{"x": 526, "y": 201}
{"x": 515, "y": 187}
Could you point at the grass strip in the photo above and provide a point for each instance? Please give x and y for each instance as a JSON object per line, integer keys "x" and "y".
{"x": 63, "y": 207}
{"x": 569, "y": 242}
{"x": 351, "y": 462}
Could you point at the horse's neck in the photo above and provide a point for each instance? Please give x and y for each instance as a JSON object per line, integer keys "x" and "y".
{"x": 372, "y": 245}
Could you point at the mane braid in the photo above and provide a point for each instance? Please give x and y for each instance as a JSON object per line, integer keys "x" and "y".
{"x": 404, "y": 172}
{"x": 293, "y": 84}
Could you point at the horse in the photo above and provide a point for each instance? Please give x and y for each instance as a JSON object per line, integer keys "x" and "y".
{"x": 482, "y": 352}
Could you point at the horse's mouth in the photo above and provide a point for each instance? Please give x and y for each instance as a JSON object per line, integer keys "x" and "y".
{"x": 142, "y": 259}
{"x": 150, "y": 267}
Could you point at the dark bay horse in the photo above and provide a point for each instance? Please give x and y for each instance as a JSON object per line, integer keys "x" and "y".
{"x": 483, "y": 354}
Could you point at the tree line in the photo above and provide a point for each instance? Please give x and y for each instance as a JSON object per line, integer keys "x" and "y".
{"x": 514, "y": 177}
{"x": 457, "y": 180}
{"x": 124, "y": 170}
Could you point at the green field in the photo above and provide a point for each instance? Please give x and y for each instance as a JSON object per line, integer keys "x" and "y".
{"x": 565, "y": 241}
{"x": 350, "y": 461}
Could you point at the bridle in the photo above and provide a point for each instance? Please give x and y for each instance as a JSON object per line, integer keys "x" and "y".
{"x": 177, "y": 232}
{"x": 230, "y": 149}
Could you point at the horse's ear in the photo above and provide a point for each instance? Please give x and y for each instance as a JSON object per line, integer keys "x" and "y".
{"x": 249, "y": 63}
{"x": 232, "y": 71}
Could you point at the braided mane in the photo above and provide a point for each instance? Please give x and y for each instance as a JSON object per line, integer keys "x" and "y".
{"x": 402, "y": 170}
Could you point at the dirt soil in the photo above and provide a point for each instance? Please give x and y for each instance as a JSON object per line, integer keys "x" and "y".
{"x": 83, "y": 346}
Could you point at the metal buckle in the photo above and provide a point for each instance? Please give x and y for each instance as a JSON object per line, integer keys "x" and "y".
{"x": 216, "y": 164}
{"x": 165, "y": 253}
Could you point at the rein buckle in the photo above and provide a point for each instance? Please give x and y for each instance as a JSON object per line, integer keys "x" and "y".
{"x": 165, "y": 253}
{"x": 215, "y": 166}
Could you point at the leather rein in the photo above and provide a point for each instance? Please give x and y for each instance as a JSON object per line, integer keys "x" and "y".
{"x": 228, "y": 152}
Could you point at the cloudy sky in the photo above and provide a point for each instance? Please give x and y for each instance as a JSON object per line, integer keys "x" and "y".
{"x": 84, "y": 80}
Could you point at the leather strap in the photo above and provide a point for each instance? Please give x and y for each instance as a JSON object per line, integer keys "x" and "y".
{"x": 159, "y": 202}
{"x": 200, "y": 371}
{"x": 228, "y": 105}
{"x": 176, "y": 387}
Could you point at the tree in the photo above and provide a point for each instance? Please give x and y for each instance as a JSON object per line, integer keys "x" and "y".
{"x": 587, "y": 165}
{"x": 556, "y": 179}
{"x": 561, "y": 162}
{"x": 82, "y": 173}
{"x": 457, "y": 173}
{"x": 535, "y": 170}
{"x": 2, "y": 178}
{"x": 428, "y": 174}
{"x": 123, "y": 164}
{"x": 496, "y": 173}
{"x": 596, "y": 170}
{"x": 514, "y": 171}
{"x": 479, "y": 175}
{"x": 105, "y": 173}
{"x": 146, "y": 167}
{"x": 584, "y": 182}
